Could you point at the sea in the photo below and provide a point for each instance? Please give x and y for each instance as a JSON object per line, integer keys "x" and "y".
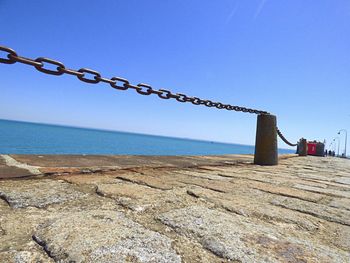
{"x": 17, "y": 137}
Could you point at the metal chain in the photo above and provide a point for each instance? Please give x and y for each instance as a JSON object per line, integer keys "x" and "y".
{"x": 284, "y": 138}
{"x": 94, "y": 77}
{"x": 120, "y": 83}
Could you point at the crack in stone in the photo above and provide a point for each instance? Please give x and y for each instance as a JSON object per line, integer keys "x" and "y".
{"x": 217, "y": 205}
{"x": 43, "y": 245}
{"x": 309, "y": 189}
{"x": 120, "y": 204}
{"x": 242, "y": 178}
{"x": 97, "y": 191}
{"x": 138, "y": 182}
{"x": 191, "y": 193}
{"x": 205, "y": 187}
{"x": 3, "y": 197}
{"x": 324, "y": 181}
{"x": 285, "y": 195}
{"x": 248, "y": 179}
{"x": 2, "y": 231}
{"x": 227, "y": 176}
{"x": 327, "y": 218}
{"x": 194, "y": 176}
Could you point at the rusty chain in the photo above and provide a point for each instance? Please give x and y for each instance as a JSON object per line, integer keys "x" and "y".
{"x": 119, "y": 83}
{"x": 284, "y": 138}
{"x": 115, "y": 82}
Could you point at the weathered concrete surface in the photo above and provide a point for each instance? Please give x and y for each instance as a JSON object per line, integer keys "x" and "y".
{"x": 7, "y": 171}
{"x": 174, "y": 209}
{"x": 53, "y": 164}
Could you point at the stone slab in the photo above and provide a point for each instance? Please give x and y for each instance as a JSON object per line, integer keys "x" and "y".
{"x": 103, "y": 236}
{"x": 37, "y": 193}
{"x": 234, "y": 238}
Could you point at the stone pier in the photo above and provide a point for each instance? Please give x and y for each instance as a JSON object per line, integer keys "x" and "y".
{"x": 56, "y": 208}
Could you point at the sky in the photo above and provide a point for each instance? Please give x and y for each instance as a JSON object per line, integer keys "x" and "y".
{"x": 290, "y": 58}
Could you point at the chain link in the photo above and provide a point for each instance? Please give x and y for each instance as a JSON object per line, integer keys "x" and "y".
{"x": 115, "y": 82}
{"x": 284, "y": 138}
{"x": 41, "y": 68}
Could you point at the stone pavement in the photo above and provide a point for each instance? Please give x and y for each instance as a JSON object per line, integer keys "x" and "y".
{"x": 173, "y": 209}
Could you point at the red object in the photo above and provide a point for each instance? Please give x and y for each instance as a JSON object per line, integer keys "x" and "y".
{"x": 311, "y": 148}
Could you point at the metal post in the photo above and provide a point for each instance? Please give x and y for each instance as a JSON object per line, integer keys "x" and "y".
{"x": 266, "y": 141}
{"x": 346, "y": 139}
{"x": 302, "y": 147}
{"x": 346, "y": 142}
{"x": 338, "y": 144}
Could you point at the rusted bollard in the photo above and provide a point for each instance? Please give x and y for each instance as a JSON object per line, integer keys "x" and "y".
{"x": 302, "y": 147}
{"x": 266, "y": 141}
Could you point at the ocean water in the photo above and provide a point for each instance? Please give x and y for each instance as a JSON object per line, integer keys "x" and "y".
{"x": 32, "y": 138}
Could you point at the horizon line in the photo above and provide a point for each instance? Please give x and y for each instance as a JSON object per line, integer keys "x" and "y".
{"x": 136, "y": 133}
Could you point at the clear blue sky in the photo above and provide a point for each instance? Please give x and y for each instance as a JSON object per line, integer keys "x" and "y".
{"x": 290, "y": 58}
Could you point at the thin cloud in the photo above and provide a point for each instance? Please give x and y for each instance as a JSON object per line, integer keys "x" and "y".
{"x": 232, "y": 13}
{"x": 260, "y": 8}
